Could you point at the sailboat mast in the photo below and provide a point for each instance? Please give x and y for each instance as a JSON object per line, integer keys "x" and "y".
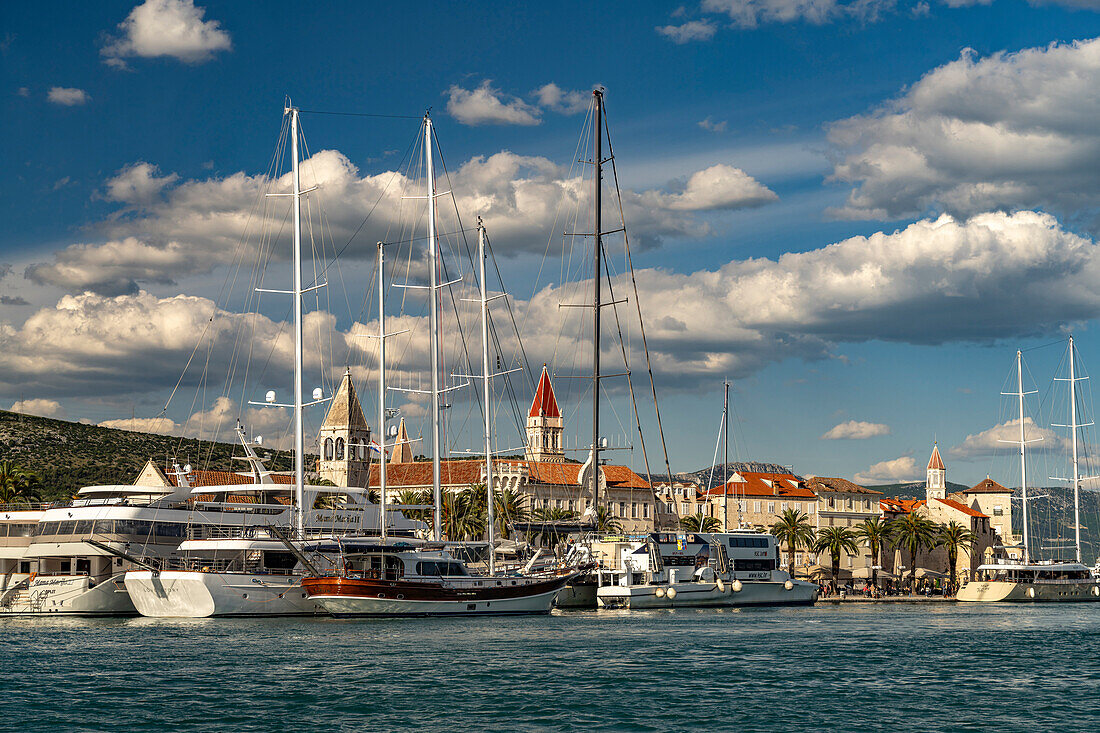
{"x": 436, "y": 358}
{"x": 597, "y": 206}
{"x": 486, "y": 393}
{"x": 1023, "y": 443}
{"x": 1076, "y": 474}
{"x": 726, "y": 459}
{"x": 382, "y": 390}
{"x": 299, "y": 433}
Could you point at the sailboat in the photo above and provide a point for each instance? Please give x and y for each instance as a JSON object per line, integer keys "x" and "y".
{"x": 405, "y": 579}
{"x": 1030, "y": 580}
{"x": 256, "y": 569}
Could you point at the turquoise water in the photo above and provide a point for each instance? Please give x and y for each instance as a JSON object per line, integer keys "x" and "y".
{"x": 896, "y": 667}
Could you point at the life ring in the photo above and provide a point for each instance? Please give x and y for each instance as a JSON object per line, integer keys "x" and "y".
{"x": 1030, "y": 592}
{"x": 721, "y": 585}
{"x": 670, "y": 593}
{"x": 1096, "y": 590}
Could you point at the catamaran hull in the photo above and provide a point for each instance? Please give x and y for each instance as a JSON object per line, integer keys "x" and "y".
{"x": 1000, "y": 591}
{"x": 185, "y": 594}
{"x": 71, "y": 595}
{"x": 345, "y": 598}
{"x": 707, "y": 595}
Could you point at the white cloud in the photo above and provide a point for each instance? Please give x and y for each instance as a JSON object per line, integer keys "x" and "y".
{"x": 173, "y": 28}
{"x": 566, "y": 102}
{"x": 856, "y": 430}
{"x": 1005, "y": 132}
{"x": 750, "y": 13}
{"x": 23, "y": 92}
{"x": 487, "y": 105}
{"x": 67, "y": 96}
{"x": 997, "y": 440}
{"x": 895, "y": 470}
{"x": 159, "y": 425}
{"x": 138, "y": 184}
{"x": 693, "y": 30}
{"x": 41, "y": 407}
{"x": 195, "y": 225}
{"x": 713, "y": 125}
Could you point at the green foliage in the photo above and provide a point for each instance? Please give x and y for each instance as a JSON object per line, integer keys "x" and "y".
{"x": 794, "y": 530}
{"x": 699, "y": 523}
{"x": 606, "y": 522}
{"x": 954, "y": 536}
{"x": 550, "y": 535}
{"x": 912, "y": 533}
{"x": 835, "y": 541}
{"x": 17, "y": 484}
{"x": 874, "y": 533}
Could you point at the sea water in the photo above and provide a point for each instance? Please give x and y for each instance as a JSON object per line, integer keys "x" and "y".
{"x": 852, "y": 667}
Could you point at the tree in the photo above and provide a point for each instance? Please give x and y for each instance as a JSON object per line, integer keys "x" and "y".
{"x": 606, "y": 522}
{"x": 549, "y": 535}
{"x": 835, "y": 541}
{"x": 699, "y": 523}
{"x": 794, "y": 530}
{"x": 509, "y": 506}
{"x": 17, "y": 484}
{"x": 874, "y": 532}
{"x": 412, "y": 497}
{"x": 954, "y": 537}
{"x": 913, "y": 533}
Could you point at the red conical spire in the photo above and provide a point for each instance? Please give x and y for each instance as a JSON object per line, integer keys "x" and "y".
{"x": 544, "y": 404}
{"x": 935, "y": 461}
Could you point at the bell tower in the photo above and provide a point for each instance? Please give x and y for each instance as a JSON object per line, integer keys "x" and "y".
{"x": 545, "y": 424}
{"x": 935, "y": 486}
{"x": 343, "y": 438}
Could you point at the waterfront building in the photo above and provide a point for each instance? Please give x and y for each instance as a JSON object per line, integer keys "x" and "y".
{"x": 344, "y": 438}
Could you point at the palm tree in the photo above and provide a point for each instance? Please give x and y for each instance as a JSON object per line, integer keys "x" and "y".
{"x": 412, "y": 497}
{"x": 913, "y": 533}
{"x": 606, "y": 522}
{"x": 835, "y": 541}
{"x": 794, "y": 530}
{"x": 17, "y": 484}
{"x": 699, "y": 523}
{"x": 874, "y": 532}
{"x": 549, "y": 534}
{"x": 954, "y": 536}
{"x": 509, "y": 506}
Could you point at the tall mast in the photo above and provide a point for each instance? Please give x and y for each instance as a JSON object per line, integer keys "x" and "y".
{"x": 1076, "y": 474}
{"x": 597, "y": 130}
{"x": 436, "y": 347}
{"x": 1023, "y": 442}
{"x": 299, "y": 434}
{"x": 382, "y": 389}
{"x": 485, "y": 391}
{"x": 726, "y": 459}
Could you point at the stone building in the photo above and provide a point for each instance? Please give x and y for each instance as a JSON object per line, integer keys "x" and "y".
{"x": 344, "y": 438}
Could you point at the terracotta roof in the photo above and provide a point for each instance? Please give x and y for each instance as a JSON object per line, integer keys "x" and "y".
{"x": 465, "y": 473}
{"x": 935, "y": 461}
{"x": 784, "y": 485}
{"x": 544, "y": 404}
{"x": 345, "y": 409}
{"x": 988, "y": 486}
{"x": 958, "y": 505}
{"x": 831, "y": 484}
{"x": 899, "y": 506}
{"x": 225, "y": 478}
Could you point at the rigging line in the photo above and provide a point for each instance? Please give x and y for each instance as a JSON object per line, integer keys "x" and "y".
{"x": 637, "y": 300}
{"x": 1043, "y": 346}
{"x": 508, "y": 384}
{"x": 358, "y": 114}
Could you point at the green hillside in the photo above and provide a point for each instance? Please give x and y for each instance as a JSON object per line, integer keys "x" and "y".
{"x": 68, "y": 455}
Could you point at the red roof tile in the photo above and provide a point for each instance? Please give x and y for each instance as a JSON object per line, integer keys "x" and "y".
{"x": 226, "y": 478}
{"x": 988, "y": 486}
{"x": 935, "y": 461}
{"x": 958, "y": 505}
{"x": 785, "y": 485}
{"x": 830, "y": 484}
{"x": 465, "y": 473}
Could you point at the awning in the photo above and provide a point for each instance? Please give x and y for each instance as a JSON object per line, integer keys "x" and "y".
{"x": 865, "y": 574}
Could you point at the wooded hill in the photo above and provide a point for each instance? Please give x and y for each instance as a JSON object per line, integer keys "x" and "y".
{"x": 68, "y": 455}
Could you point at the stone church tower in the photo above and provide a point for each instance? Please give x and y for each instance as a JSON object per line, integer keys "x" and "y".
{"x": 545, "y": 424}
{"x": 344, "y": 436}
{"x": 935, "y": 486}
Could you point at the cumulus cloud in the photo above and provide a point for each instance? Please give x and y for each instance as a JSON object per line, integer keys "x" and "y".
{"x": 712, "y": 125}
{"x": 67, "y": 96}
{"x": 159, "y": 425}
{"x": 856, "y": 430}
{"x": 138, "y": 184}
{"x": 1004, "y": 132}
{"x": 563, "y": 101}
{"x": 895, "y": 470}
{"x": 693, "y": 30}
{"x": 173, "y": 28}
{"x": 751, "y": 13}
{"x": 998, "y": 440}
{"x": 487, "y": 105}
{"x": 41, "y": 407}
{"x": 177, "y": 228}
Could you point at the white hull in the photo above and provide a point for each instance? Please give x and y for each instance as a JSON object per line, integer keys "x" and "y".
{"x": 1000, "y": 591}
{"x": 190, "y": 594}
{"x": 707, "y": 595}
{"x": 362, "y": 606}
{"x": 71, "y": 595}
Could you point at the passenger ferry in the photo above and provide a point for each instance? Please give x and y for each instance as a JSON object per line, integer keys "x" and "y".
{"x": 1034, "y": 582}
{"x": 701, "y": 569}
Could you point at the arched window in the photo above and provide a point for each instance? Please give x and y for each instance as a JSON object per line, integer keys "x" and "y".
{"x": 339, "y": 449}
{"x": 328, "y": 449}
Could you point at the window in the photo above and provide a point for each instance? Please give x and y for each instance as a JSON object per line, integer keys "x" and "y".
{"x": 771, "y": 507}
{"x": 810, "y": 509}
{"x": 622, "y": 508}
{"x": 998, "y": 510}
{"x": 339, "y": 449}
{"x": 849, "y": 561}
{"x": 633, "y": 510}
{"x": 683, "y": 508}
{"x": 328, "y": 449}
{"x": 645, "y": 511}
{"x": 830, "y": 503}
{"x": 783, "y": 506}
{"x": 798, "y": 558}
{"x": 756, "y": 507}
{"x": 866, "y": 505}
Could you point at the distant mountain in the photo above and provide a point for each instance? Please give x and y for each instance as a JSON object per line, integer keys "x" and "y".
{"x": 914, "y": 489}
{"x": 69, "y": 455}
{"x": 702, "y": 476}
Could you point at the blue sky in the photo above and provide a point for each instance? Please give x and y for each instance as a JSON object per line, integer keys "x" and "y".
{"x": 958, "y": 138}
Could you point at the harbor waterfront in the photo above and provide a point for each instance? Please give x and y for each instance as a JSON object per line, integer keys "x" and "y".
{"x": 899, "y": 666}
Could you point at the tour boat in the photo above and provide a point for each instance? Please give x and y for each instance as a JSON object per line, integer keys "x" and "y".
{"x": 1044, "y": 581}
{"x": 703, "y": 569}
